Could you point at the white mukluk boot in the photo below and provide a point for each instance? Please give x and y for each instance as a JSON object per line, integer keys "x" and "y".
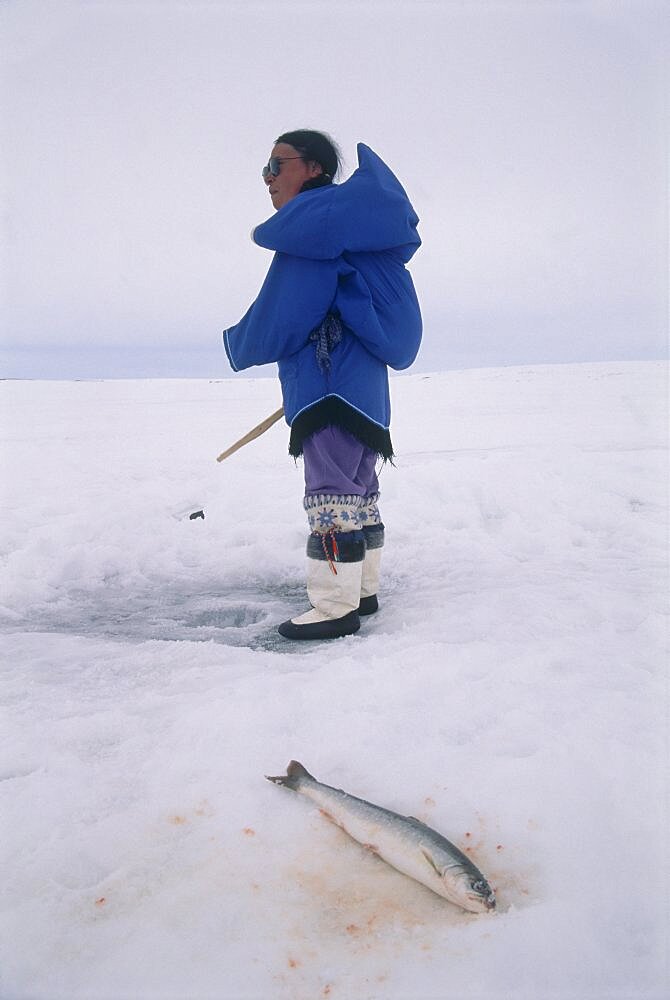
{"x": 334, "y": 569}
{"x": 373, "y": 530}
{"x": 374, "y": 542}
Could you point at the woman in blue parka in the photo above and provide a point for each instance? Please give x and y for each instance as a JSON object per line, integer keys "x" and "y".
{"x": 337, "y": 307}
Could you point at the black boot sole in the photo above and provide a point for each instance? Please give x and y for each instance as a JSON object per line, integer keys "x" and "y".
{"x": 332, "y": 628}
{"x": 368, "y": 605}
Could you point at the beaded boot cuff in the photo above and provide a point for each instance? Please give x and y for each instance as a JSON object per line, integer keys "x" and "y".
{"x": 335, "y": 512}
{"x": 371, "y": 509}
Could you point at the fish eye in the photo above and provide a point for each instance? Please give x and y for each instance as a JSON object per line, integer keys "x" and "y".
{"x": 480, "y": 887}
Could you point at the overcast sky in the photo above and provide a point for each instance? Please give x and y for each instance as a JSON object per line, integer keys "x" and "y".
{"x": 530, "y": 137}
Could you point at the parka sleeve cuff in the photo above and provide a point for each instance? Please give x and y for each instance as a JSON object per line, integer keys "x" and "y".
{"x": 226, "y": 344}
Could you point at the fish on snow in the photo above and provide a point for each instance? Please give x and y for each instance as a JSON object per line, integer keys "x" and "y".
{"x": 403, "y": 842}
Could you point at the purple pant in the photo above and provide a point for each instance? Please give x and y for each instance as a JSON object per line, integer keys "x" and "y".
{"x": 337, "y": 463}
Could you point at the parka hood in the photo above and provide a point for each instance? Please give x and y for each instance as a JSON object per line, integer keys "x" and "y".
{"x": 369, "y": 212}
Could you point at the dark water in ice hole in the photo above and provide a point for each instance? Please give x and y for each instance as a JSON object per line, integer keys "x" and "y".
{"x": 240, "y": 616}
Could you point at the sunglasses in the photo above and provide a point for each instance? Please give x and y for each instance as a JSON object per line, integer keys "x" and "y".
{"x": 273, "y": 165}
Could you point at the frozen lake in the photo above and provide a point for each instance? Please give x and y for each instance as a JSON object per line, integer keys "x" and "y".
{"x": 510, "y": 692}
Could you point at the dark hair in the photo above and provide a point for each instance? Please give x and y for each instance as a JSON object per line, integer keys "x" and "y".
{"x": 315, "y": 147}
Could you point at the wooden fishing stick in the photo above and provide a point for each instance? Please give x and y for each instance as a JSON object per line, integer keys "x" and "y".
{"x": 187, "y": 511}
{"x": 252, "y": 434}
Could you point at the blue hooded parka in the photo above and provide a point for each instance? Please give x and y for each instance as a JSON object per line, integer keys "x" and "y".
{"x": 340, "y": 250}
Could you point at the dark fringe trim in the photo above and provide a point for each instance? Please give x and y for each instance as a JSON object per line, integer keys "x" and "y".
{"x": 349, "y": 546}
{"x": 374, "y": 536}
{"x": 332, "y": 410}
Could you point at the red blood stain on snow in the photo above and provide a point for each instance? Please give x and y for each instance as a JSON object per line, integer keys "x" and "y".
{"x": 101, "y": 901}
{"x": 249, "y": 831}
{"x": 202, "y": 809}
{"x": 355, "y": 930}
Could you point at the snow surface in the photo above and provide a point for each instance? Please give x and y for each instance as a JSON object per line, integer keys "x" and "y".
{"x": 510, "y": 692}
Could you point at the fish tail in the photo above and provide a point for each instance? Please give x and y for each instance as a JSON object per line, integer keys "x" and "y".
{"x": 294, "y": 772}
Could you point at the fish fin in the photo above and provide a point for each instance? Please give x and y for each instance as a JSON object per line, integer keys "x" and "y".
{"x": 294, "y": 772}
{"x": 427, "y": 855}
{"x": 297, "y": 770}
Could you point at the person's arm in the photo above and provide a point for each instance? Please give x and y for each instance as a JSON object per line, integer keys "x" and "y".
{"x": 293, "y": 300}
